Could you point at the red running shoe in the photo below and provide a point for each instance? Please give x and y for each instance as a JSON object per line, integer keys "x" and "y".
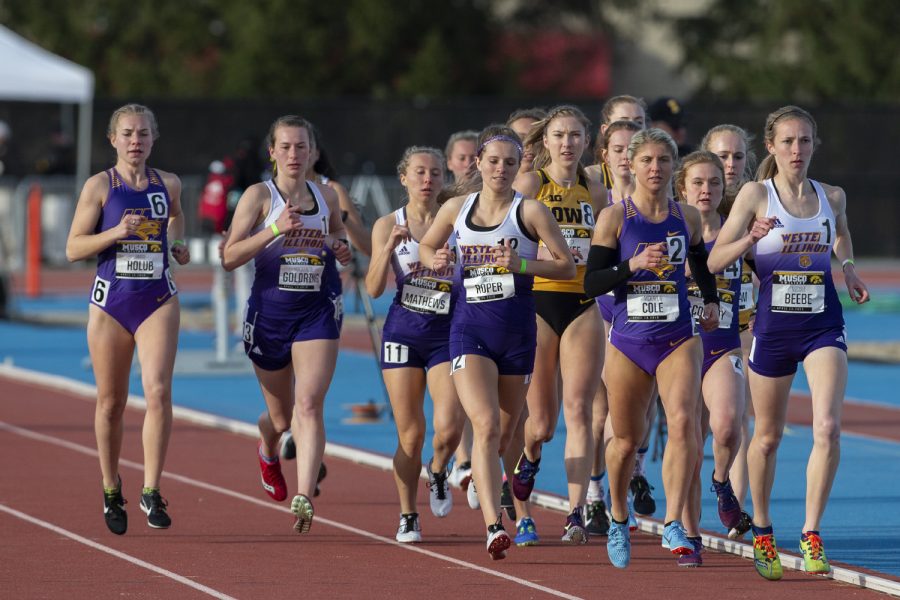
{"x": 272, "y": 479}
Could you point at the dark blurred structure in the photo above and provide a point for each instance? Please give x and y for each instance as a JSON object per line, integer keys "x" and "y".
{"x": 59, "y": 155}
{"x": 367, "y": 137}
{"x": 668, "y": 114}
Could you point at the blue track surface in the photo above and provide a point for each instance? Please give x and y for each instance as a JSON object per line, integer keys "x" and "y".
{"x": 861, "y": 526}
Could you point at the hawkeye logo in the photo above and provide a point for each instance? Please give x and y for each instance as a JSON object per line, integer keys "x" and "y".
{"x": 149, "y": 227}
{"x": 664, "y": 269}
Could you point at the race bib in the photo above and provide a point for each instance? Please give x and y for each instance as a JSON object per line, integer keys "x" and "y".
{"x": 300, "y": 273}
{"x": 747, "y": 302}
{"x": 652, "y": 301}
{"x": 798, "y": 292}
{"x": 726, "y": 307}
{"x": 427, "y": 295}
{"x": 488, "y": 283}
{"x": 139, "y": 260}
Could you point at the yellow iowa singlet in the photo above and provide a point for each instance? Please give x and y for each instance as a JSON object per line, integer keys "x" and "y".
{"x": 574, "y": 212}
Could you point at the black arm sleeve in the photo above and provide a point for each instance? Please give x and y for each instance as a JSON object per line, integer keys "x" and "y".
{"x": 602, "y": 274}
{"x": 706, "y": 281}
{"x": 752, "y": 264}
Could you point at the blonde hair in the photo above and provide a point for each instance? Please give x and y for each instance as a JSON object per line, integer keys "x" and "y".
{"x": 749, "y": 163}
{"x": 132, "y": 109}
{"x": 652, "y": 136}
{"x": 698, "y": 157}
{"x": 768, "y": 168}
{"x": 539, "y": 129}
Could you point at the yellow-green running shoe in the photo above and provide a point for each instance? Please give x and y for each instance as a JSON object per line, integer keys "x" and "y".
{"x": 765, "y": 557}
{"x": 814, "y": 560}
{"x": 303, "y": 510}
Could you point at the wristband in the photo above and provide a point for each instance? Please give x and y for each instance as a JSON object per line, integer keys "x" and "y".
{"x": 849, "y": 261}
{"x": 177, "y": 243}
{"x": 522, "y": 266}
{"x": 275, "y": 229}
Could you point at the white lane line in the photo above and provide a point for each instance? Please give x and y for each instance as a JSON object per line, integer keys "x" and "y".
{"x": 89, "y": 392}
{"x": 120, "y": 555}
{"x": 27, "y": 433}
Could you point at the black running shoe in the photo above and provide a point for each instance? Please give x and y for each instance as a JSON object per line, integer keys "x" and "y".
{"x": 506, "y": 502}
{"x": 155, "y": 508}
{"x": 288, "y": 448}
{"x": 114, "y": 511}
{"x": 597, "y": 521}
{"x": 738, "y": 531}
{"x": 322, "y": 473}
{"x": 643, "y": 504}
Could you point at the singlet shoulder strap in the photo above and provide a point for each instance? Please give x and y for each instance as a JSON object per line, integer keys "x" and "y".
{"x": 545, "y": 179}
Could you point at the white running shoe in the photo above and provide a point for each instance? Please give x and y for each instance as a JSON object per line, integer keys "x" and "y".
{"x": 472, "y": 496}
{"x": 461, "y": 475}
{"x": 409, "y": 531}
{"x": 439, "y": 495}
{"x": 498, "y": 542}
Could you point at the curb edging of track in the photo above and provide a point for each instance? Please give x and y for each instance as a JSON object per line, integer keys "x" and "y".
{"x": 544, "y": 500}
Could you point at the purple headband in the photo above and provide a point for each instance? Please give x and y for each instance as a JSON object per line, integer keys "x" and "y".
{"x": 501, "y": 138}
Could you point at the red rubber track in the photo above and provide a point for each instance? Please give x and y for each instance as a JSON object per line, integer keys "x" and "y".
{"x": 227, "y": 535}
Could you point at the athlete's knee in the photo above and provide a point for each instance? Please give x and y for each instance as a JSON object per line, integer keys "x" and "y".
{"x": 486, "y": 431}
{"x": 541, "y": 429}
{"x": 827, "y": 431}
{"x": 308, "y": 407}
{"x": 110, "y": 408}
{"x": 726, "y": 432}
{"x": 766, "y": 442}
{"x": 627, "y": 445}
{"x": 157, "y": 394}
{"x": 681, "y": 426}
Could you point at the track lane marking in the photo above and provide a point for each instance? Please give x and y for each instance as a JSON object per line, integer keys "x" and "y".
{"x": 115, "y": 553}
{"x": 34, "y": 435}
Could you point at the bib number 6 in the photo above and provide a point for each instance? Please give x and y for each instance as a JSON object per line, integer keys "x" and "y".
{"x": 100, "y": 291}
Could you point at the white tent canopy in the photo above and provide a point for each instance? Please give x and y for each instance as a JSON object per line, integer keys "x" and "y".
{"x": 30, "y": 73}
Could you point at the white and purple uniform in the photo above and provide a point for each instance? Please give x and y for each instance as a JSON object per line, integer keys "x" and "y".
{"x": 798, "y": 307}
{"x": 495, "y": 314}
{"x": 296, "y": 294}
{"x": 727, "y": 336}
{"x": 651, "y": 314}
{"x": 133, "y": 277}
{"x": 417, "y": 327}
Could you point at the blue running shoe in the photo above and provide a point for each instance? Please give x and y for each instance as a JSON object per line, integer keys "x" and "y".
{"x": 632, "y": 520}
{"x": 526, "y": 533}
{"x": 675, "y": 539}
{"x": 618, "y": 545}
{"x": 523, "y": 477}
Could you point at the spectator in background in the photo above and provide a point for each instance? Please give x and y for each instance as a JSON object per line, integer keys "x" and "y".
{"x": 668, "y": 114}
{"x": 60, "y": 157}
{"x": 226, "y": 181}
{"x": 5, "y": 137}
{"x": 460, "y": 153}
